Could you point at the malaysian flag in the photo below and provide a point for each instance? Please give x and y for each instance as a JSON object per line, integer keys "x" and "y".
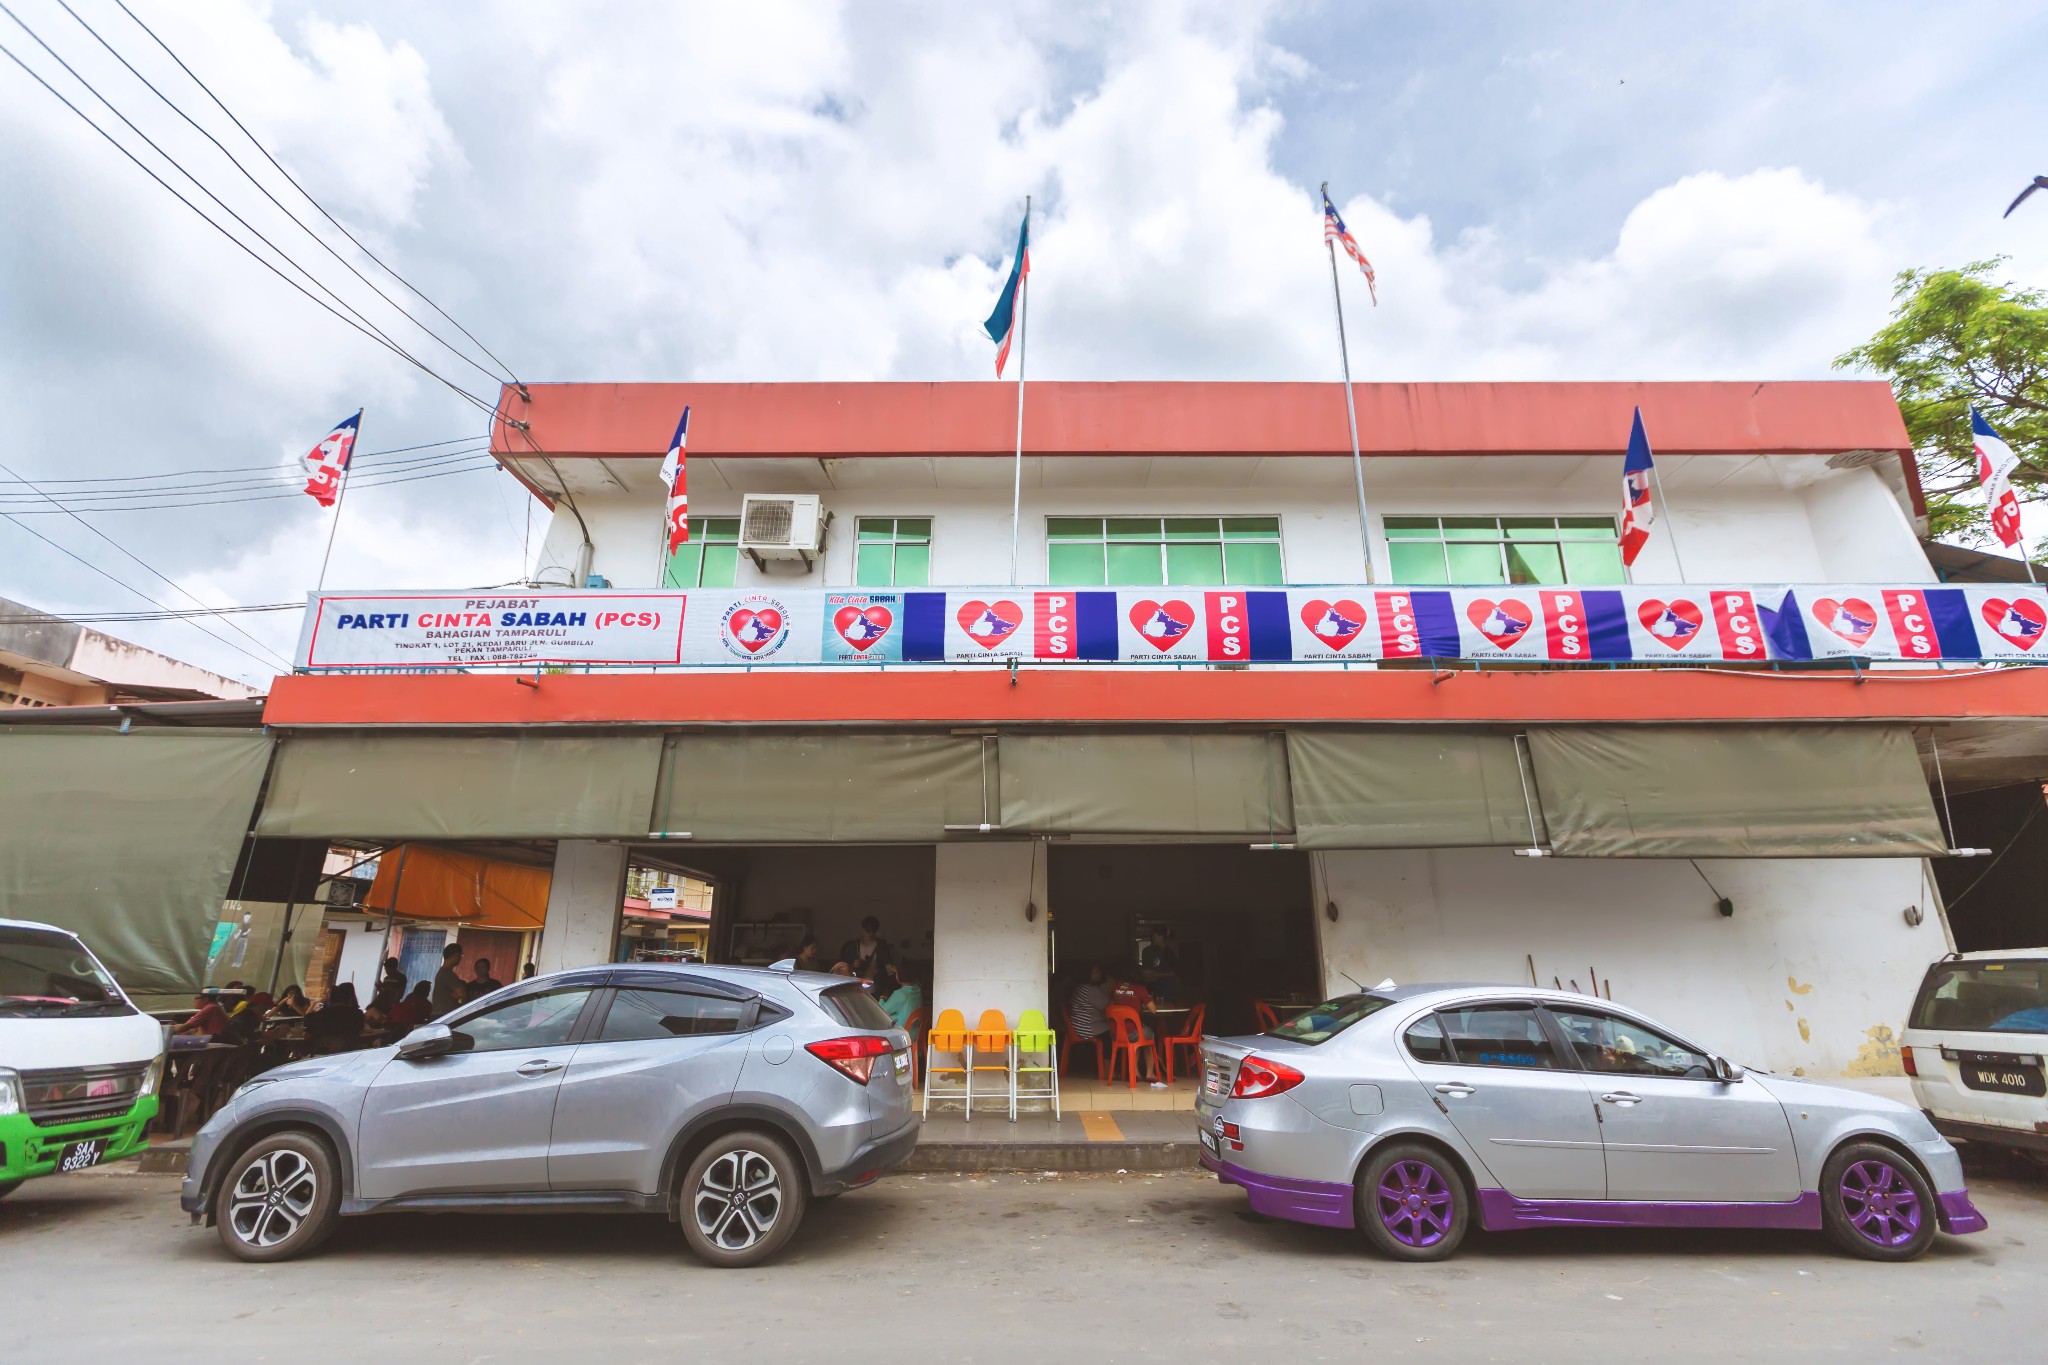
{"x": 674, "y": 478}
{"x": 327, "y": 462}
{"x": 1335, "y": 231}
{"x": 1995, "y": 464}
{"x": 1002, "y": 324}
{"x": 1638, "y": 510}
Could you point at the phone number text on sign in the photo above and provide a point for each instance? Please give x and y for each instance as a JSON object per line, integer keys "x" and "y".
{"x": 494, "y": 628}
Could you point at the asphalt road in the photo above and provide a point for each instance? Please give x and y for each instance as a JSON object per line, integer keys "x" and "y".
{"x": 1070, "y": 1268}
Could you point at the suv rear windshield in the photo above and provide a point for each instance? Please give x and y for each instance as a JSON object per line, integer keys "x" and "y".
{"x": 1985, "y": 997}
{"x": 49, "y": 975}
{"x": 855, "y": 1008}
{"x": 1320, "y": 1023}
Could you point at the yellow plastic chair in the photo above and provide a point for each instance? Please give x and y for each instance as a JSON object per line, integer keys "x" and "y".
{"x": 1036, "y": 1040}
{"x": 950, "y": 1037}
{"x": 992, "y": 1038}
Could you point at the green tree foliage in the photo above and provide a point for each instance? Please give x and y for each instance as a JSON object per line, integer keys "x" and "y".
{"x": 1956, "y": 338}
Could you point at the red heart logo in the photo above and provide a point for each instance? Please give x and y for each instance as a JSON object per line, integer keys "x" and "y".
{"x": 1502, "y": 622}
{"x": 989, "y": 624}
{"x": 2020, "y": 621}
{"x": 862, "y": 626}
{"x": 1162, "y": 624}
{"x": 1336, "y": 623}
{"x": 754, "y": 630}
{"x": 1675, "y": 624}
{"x": 1852, "y": 618}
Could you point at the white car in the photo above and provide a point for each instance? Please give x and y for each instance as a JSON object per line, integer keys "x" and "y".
{"x": 1975, "y": 1045}
{"x": 79, "y": 1064}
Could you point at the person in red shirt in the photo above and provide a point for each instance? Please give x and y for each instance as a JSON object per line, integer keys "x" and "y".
{"x": 211, "y": 1019}
{"x": 1130, "y": 993}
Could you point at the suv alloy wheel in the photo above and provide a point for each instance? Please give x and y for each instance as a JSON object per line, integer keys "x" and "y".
{"x": 278, "y": 1199}
{"x": 742, "y": 1199}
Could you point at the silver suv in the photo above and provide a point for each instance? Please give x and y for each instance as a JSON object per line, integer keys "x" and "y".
{"x": 724, "y": 1097}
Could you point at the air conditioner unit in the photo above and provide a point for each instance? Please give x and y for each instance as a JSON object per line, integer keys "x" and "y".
{"x": 781, "y": 526}
{"x": 345, "y": 891}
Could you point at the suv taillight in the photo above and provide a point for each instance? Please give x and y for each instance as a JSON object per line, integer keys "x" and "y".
{"x": 1906, "y": 1060}
{"x": 1257, "y": 1078}
{"x": 855, "y": 1056}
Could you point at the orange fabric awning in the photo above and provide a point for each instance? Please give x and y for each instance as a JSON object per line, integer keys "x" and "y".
{"x": 441, "y": 884}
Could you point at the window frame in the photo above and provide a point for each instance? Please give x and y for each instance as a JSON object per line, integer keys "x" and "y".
{"x": 579, "y": 1027}
{"x": 1548, "y": 1027}
{"x": 1165, "y": 542}
{"x": 1502, "y": 542}
{"x": 749, "y": 1020}
{"x": 701, "y": 540}
{"x": 1569, "y": 1047}
{"x": 895, "y": 543}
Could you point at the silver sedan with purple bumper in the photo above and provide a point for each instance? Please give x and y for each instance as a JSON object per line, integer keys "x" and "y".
{"x": 1416, "y": 1113}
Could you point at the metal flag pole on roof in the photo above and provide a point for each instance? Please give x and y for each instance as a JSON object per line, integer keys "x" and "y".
{"x": 1023, "y": 344}
{"x": 348, "y": 431}
{"x": 1996, "y": 461}
{"x": 1335, "y": 232}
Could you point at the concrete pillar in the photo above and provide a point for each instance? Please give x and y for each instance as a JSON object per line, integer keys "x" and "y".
{"x": 585, "y": 901}
{"x": 985, "y": 954}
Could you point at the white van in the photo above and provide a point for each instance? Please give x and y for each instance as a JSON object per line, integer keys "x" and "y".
{"x": 1976, "y": 1046}
{"x": 79, "y": 1064}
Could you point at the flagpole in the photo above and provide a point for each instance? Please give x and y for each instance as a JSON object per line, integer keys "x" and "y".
{"x": 1023, "y": 342}
{"x": 340, "y": 492}
{"x": 1350, "y": 407}
{"x": 1670, "y": 512}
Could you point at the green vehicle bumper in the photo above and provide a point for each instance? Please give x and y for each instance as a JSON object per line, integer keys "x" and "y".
{"x": 27, "y": 1148}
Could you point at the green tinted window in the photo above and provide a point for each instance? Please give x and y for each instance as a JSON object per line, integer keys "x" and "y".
{"x": 1500, "y": 550}
{"x": 1146, "y": 552}
{"x": 893, "y": 552}
{"x": 710, "y": 559}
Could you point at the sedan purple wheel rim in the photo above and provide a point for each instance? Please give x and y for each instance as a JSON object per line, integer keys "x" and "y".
{"x": 1881, "y": 1203}
{"x": 1415, "y": 1203}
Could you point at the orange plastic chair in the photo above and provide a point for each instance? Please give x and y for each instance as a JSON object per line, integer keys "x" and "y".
{"x": 1069, "y": 1041}
{"x": 1127, "y": 1040}
{"x": 1190, "y": 1037}
{"x": 992, "y": 1036}
{"x": 949, "y": 1035}
{"x": 1269, "y": 1019}
{"x": 919, "y": 1021}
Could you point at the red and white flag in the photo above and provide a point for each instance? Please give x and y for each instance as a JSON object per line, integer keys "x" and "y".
{"x": 1638, "y": 508}
{"x": 327, "y": 463}
{"x": 674, "y": 477}
{"x": 1995, "y": 463}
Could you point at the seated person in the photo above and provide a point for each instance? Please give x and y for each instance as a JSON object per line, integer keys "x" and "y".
{"x": 1159, "y": 965}
{"x": 377, "y": 1017}
{"x": 899, "y": 997}
{"x": 1087, "y": 1007}
{"x": 1130, "y": 993}
{"x": 415, "y": 1009}
{"x": 210, "y": 1021}
{"x": 244, "y": 1020}
{"x": 337, "y": 1025}
{"x": 808, "y": 956}
{"x": 292, "y": 1004}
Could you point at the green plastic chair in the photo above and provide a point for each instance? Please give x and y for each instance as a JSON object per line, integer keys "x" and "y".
{"x": 1035, "y": 1039}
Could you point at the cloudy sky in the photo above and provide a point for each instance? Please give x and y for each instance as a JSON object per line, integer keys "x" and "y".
{"x": 830, "y": 191}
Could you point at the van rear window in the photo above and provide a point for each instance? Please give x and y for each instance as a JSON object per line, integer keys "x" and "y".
{"x": 1984, "y": 997}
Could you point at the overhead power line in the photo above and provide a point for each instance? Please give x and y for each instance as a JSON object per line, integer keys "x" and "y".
{"x": 167, "y": 502}
{"x": 102, "y": 618}
{"x": 251, "y": 252}
{"x": 307, "y": 194}
{"x": 280, "y": 477}
{"x": 354, "y": 460}
{"x": 494, "y": 376}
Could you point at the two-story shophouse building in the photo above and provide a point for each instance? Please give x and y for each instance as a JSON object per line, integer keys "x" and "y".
{"x": 1464, "y": 744}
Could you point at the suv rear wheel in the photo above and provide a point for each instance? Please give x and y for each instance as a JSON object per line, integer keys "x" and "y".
{"x": 1412, "y": 1203}
{"x": 741, "y": 1199}
{"x": 279, "y": 1198}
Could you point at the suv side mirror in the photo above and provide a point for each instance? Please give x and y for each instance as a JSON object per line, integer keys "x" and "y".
{"x": 425, "y": 1042}
{"x": 1725, "y": 1071}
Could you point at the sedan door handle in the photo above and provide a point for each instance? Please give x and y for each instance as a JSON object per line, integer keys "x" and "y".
{"x": 1455, "y": 1089}
{"x": 539, "y": 1066}
{"x": 1621, "y": 1097}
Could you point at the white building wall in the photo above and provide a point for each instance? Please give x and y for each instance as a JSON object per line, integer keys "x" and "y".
{"x": 1845, "y": 528}
{"x": 986, "y": 954}
{"x": 1813, "y": 975}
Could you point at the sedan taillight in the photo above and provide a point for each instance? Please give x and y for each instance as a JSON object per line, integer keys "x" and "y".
{"x": 854, "y": 1056}
{"x": 1257, "y": 1078}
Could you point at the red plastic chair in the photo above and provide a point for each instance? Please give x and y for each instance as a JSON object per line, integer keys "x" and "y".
{"x": 1069, "y": 1040}
{"x": 1269, "y": 1019}
{"x": 1127, "y": 1040}
{"x": 920, "y": 1019}
{"x": 1190, "y": 1037}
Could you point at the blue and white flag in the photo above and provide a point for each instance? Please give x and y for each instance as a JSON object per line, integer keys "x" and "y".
{"x": 1002, "y": 323}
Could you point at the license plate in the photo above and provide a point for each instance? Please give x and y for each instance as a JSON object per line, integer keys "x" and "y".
{"x": 902, "y": 1065}
{"x": 1208, "y": 1143}
{"x": 2004, "y": 1074}
{"x": 80, "y": 1155}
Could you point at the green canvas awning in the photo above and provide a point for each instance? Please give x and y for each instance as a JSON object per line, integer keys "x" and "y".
{"x": 127, "y": 840}
{"x": 1734, "y": 791}
{"x": 1412, "y": 788}
{"x": 399, "y": 786}
{"x": 822, "y": 787}
{"x": 1150, "y": 784}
